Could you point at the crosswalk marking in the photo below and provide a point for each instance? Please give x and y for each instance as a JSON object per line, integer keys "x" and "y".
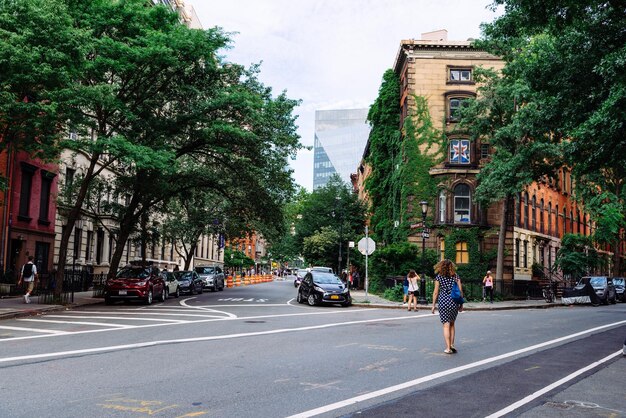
{"x": 45, "y": 331}
{"x": 100, "y": 324}
{"x": 151, "y": 314}
{"x": 118, "y": 317}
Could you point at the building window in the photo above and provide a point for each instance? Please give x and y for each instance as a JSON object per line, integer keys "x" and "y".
{"x": 541, "y": 217}
{"x": 455, "y": 104}
{"x": 518, "y": 210}
{"x": 525, "y": 258}
{"x": 25, "y": 191}
{"x": 88, "y": 245}
{"x": 526, "y": 211}
{"x": 462, "y": 203}
{"x": 442, "y": 207}
{"x": 99, "y": 245}
{"x": 533, "y": 216}
{"x": 460, "y": 151}
{"x": 462, "y": 255}
{"x": 78, "y": 237}
{"x": 549, "y": 218}
{"x": 44, "y": 197}
{"x": 442, "y": 250}
{"x": 460, "y": 75}
{"x": 484, "y": 150}
{"x": 517, "y": 249}
{"x": 564, "y": 221}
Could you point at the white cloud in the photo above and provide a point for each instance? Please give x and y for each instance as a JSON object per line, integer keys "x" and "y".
{"x": 331, "y": 54}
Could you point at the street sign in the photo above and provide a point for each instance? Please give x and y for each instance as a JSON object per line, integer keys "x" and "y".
{"x": 425, "y": 235}
{"x": 417, "y": 225}
{"x": 367, "y": 246}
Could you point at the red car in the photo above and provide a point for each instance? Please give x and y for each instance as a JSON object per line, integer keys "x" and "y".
{"x": 135, "y": 283}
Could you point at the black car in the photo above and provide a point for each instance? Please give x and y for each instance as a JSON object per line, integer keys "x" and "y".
{"x": 319, "y": 287}
{"x": 189, "y": 282}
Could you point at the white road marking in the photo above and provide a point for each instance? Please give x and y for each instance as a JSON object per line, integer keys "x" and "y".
{"x": 178, "y": 321}
{"x": 135, "y": 313}
{"x": 416, "y": 382}
{"x": 46, "y": 331}
{"x": 78, "y": 323}
{"x": 554, "y": 385}
{"x": 210, "y": 319}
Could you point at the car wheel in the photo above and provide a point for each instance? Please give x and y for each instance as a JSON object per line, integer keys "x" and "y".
{"x": 163, "y": 296}
{"x": 312, "y": 300}
{"x": 221, "y": 288}
{"x": 614, "y": 300}
{"x": 201, "y": 291}
{"x": 149, "y": 297}
{"x": 299, "y": 298}
{"x": 167, "y": 293}
{"x": 177, "y": 294}
{"x": 295, "y": 284}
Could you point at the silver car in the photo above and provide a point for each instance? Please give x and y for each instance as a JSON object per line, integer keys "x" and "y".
{"x": 212, "y": 276}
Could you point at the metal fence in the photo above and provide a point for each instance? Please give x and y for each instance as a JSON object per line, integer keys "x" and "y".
{"x": 73, "y": 281}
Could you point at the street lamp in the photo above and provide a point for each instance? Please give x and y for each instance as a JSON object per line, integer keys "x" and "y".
{"x": 422, "y": 300}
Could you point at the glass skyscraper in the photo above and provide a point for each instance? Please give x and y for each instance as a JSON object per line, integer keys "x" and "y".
{"x": 340, "y": 139}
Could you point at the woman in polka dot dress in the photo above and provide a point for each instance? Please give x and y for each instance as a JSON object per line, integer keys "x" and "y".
{"x": 448, "y": 309}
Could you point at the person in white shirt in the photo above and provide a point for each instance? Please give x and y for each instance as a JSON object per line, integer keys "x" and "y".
{"x": 28, "y": 275}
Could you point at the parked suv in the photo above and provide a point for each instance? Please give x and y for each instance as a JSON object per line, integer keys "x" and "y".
{"x": 619, "y": 283}
{"x": 135, "y": 283}
{"x": 212, "y": 276}
{"x": 603, "y": 286}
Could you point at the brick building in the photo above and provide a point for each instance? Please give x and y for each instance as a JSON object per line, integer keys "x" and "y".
{"x": 442, "y": 72}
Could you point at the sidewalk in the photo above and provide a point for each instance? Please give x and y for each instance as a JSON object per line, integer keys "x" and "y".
{"x": 374, "y": 301}
{"x": 13, "y": 307}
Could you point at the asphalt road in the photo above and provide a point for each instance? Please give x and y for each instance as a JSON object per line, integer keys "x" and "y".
{"x": 255, "y": 352}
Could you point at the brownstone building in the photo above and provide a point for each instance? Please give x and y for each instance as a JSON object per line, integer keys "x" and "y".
{"x": 442, "y": 72}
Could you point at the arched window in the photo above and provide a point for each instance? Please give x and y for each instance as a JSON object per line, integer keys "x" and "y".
{"x": 462, "y": 203}
{"x": 584, "y": 223}
{"x": 442, "y": 207}
{"x": 564, "y": 221}
{"x": 526, "y": 210}
{"x": 556, "y": 221}
{"x": 572, "y": 224}
{"x": 579, "y": 220}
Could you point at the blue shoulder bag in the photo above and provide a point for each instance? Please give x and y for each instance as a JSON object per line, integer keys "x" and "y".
{"x": 455, "y": 294}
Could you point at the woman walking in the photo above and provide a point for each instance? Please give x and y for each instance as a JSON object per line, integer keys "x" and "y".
{"x": 448, "y": 309}
{"x": 413, "y": 289}
{"x": 488, "y": 287}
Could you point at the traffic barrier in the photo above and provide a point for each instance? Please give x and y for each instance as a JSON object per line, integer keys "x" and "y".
{"x": 229, "y": 281}
{"x": 238, "y": 281}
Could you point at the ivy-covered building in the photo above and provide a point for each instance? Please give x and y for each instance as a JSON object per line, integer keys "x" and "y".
{"x": 436, "y": 77}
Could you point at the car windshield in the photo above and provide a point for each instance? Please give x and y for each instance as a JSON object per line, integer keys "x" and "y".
{"x": 184, "y": 275}
{"x": 302, "y": 273}
{"x": 326, "y": 279}
{"x": 205, "y": 270}
{"x": 598, "y": 281}
{"x": 324, "y": 269}
{"x": 133, "y": 273}
{"x": 618, "y": 281}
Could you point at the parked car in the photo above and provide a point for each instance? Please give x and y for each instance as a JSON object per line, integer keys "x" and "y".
{"x": 324, "y": 269}
{"x": 300, "y": 273}
{"x": 171, "y": 284}
{"x": 319, "y": 287}
{"x": 189, "y": 282}
{"x": 602, "y": 285}
{"x": 619, "y": 283}
{"x": 135, "y": 283}
{"x": 213, "y": 277}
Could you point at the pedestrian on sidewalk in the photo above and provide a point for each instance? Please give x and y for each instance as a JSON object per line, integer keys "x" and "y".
{"x": 448, "y": 309}
{"x": 28, "y": 274}
{"x": 405, "y": 290}
{"x": 488, "y": 287}
{"x": 413, "y": 290}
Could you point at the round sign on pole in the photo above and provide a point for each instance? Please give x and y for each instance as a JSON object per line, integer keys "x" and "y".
{"x": 367, "y": 246}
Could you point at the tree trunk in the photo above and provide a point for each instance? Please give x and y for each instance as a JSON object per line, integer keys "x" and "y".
{"x": 502, "y": 240}
{"x": 188, "y": 256}
{"x": 72, "y": 217}
{"x": 126, "y": 226}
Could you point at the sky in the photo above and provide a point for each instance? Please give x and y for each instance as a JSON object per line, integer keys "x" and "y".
{"x": 331, "y": 54}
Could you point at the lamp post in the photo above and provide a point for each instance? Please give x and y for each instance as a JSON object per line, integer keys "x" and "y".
{"x": 422, "y": 300}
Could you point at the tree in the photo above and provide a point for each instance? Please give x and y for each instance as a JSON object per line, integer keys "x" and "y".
{"x": 41, "y": 53}
{"x": 570, "y": 57}
{"x": 577, "y": 256}
{"x": 500, "y": 114}
{"x": 319, "y": 248}
{"x": 334, "y": 206}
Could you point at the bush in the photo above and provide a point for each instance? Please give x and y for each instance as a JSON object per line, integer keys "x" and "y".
{"x": 394, "y": 294}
